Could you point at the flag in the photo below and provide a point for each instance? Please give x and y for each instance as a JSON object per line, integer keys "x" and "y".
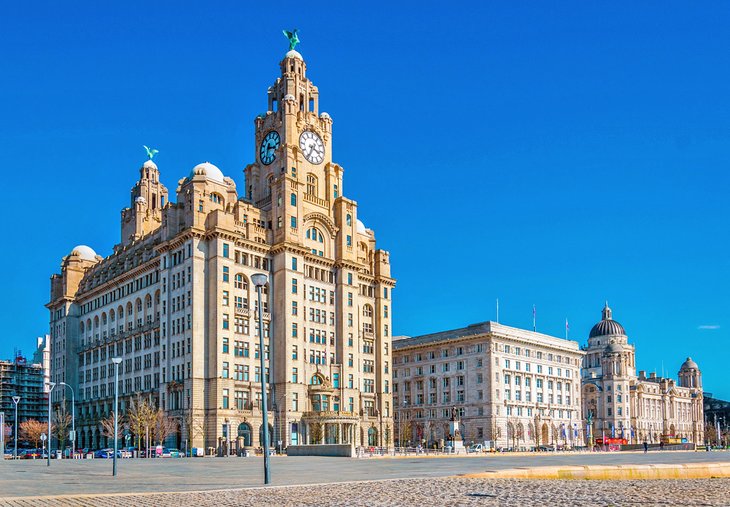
{"x": 613, "y": 431}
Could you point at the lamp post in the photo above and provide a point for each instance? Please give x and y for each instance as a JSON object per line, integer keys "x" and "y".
{"x": 259, "y": 280}
{"x": 73, "y": 418}
{"x": 116, "y": 361}
{"x": 51, "y": 385}
{"x": 16, "y": 400}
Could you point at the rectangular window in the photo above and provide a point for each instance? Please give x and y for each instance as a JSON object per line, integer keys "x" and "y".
{"x": 225, "y": 369}
{"x": 225, "y": 398}
{"x": 226, "y": 273}
{"x": 293, "y": 222}
{"x": 225, "y": 249}
{"x": 294, "y": 286}
{"x": 294, "y": 263}
{"x": 294, "y": 375}
{"x": 225, "y": 345}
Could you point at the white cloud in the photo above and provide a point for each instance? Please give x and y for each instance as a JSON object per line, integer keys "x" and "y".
{"x": 708, "y": 326}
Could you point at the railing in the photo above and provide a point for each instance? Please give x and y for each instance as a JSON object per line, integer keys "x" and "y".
{"x": 316, "y": 200}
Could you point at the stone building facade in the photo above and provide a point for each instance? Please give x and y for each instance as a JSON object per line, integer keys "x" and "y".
{"x": 514, "y": 388}
{"x": 634, "y": 408}
{"x": 175, "y": 299}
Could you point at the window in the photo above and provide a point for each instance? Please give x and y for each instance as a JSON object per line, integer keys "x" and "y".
{"x": 294, "y": 286}
{"x": 311, "y": 184}
{"x": 294, "y": 330}
{"x": 225, "y": 273}
{"x": 225, "y": 369}
{"x": 293, "y": 199}
{"x": 225, "y": 249}
{"x": 225, "y": 398}
{"x": 294, "y": 375}
{"x": 293, "y": 222}
{"x": 294, "y": 263}
{"x": 225, "y": 345}
{"x": 337, "y": 194}
{"x": 225, "y": 298}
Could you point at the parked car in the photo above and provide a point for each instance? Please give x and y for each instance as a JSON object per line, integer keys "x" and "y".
{"x": 475, "y": 448}
{"x": 170, "y": 453}
{"x": 104, "y": 453}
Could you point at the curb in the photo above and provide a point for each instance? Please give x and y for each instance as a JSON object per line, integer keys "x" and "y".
{"x": 611, "y": 472}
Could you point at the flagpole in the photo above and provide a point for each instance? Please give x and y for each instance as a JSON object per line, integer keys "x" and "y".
{"x": 534, "y": 319}
{"x": 567, "y": 328}
{"x": 497, "y": 311}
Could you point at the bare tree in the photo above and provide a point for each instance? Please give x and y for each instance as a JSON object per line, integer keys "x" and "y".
{"x": 60, "y": 428}
{"x": 193, "y": 426}
{"x": 315, "y": 433}
{"x": 107, "y": 426}
{"x": 32, "y": 430}
{"x": 163, "y": 426}
{"x": 141, "y": 418}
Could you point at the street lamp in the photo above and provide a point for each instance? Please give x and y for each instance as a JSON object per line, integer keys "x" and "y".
{"x": 116, "y": 361}
{"x": 73, "y": 418}
{"x": 259, "y": 280}
{"x": 51, "y": 385}
{"x": 16, "y": 400}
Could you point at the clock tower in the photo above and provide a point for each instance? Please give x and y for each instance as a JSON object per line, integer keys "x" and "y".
{"x": 330, "y": 342}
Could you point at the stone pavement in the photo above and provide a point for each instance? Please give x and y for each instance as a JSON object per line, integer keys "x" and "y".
{"x": 428, "y": 492}
{"x": 138, "y": 478}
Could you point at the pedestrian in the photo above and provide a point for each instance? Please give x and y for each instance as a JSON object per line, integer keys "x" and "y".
{"x": 646, "y": 447}
{"x": 661, "y": 446}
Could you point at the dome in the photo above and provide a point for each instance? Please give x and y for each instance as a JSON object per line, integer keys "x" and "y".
{"x": 149, "y": 165}
{"x": 209, "y": 171}
{"x": 607, "y": 326}
{"x": 361, "y": 229}
{"x": 325, "y": 116}
{"x": 689, "y": 364}
{"x": 293, "y": 54}
{"x": 85, "y": 252}
{"x": 141, "y": 199}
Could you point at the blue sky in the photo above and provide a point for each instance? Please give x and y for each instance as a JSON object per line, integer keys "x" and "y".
{"x": 557, "y": 154}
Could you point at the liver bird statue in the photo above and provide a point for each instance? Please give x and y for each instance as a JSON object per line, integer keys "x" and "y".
{"x": 151, "y": 152}
{"x": 293, "y": 38}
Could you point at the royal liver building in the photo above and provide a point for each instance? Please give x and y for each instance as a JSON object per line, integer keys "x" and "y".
{"x": 175, "y": 299}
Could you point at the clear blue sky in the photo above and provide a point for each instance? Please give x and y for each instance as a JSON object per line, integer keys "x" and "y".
{"x": 556, "y": 155}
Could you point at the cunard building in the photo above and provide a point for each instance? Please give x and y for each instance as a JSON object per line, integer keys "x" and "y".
{"x": 175, "y": 299}
{"x": 618, "y": 404}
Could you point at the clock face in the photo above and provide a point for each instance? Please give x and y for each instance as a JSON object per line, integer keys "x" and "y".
{"x": 312, "y": 146}
{"x": 268, "y": 146}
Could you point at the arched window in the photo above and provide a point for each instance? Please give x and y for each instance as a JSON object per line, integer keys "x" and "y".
{"x": 240, "y": 282}
{"x": 293, "y": 199}
{"x": 349, "y": 220}
{"x": 316, "y": 380}
{"x": 244, "y": 433}
{"x": 216, "y": 198}
{"x": 311, "y": 184}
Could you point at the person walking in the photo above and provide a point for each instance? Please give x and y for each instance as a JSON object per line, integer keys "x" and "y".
{"x": 646, "y": 447}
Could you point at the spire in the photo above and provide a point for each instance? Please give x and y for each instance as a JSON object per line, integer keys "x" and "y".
{"x": 606, "y": 312}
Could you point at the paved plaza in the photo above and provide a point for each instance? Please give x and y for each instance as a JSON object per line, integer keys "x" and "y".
{"x": 419, "y": 480}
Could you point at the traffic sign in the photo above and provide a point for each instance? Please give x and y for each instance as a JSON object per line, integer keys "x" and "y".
{"x": 43, "y": 437}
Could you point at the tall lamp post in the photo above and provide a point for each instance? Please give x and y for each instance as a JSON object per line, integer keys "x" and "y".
{"x": 259, "y": 280}
{"x": 73, "y": 418}
{"x": 51, "y": 385}
{"x": 116, "y": 361}
{"x": 16, "y": 400}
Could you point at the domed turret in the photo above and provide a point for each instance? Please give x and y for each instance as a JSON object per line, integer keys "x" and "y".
{"x": 690, "y": 374}
{"x": 607, "y": 326}
{"x": 208, "y": 170}
{"x": 85, "y": 252}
